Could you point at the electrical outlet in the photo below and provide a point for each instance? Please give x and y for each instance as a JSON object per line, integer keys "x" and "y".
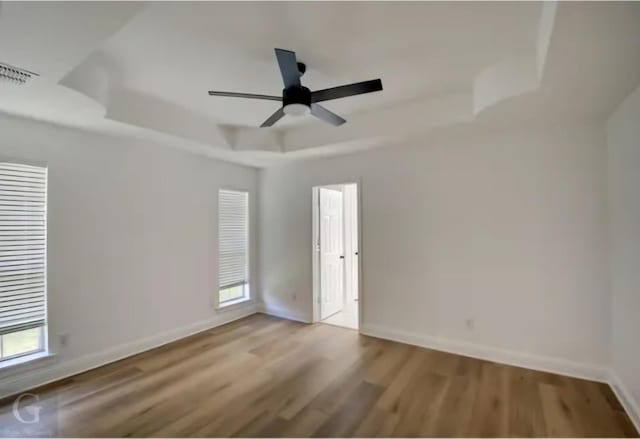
{"x": 293, "y": 297}
{"x": 469, "y": 324}
{"x": 63, "y": 340}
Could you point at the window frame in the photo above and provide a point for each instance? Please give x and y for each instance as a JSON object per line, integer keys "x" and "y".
{"x": 246, "y": 296}
{"x": 40, "y": 349}
{"x": 246, "y": 287}
{"x": 43, "y": 336}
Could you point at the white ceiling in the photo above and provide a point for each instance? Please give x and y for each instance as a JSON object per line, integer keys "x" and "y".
{"x": 144, "y": 69}
{"x": 177, "y": 51}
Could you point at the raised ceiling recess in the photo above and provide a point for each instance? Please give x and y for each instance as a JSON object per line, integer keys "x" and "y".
{"x": 142, "y": 69}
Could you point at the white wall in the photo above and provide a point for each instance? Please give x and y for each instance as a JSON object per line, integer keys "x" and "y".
{"x": 623, "y": 130}
{"x": 508, "y": 230}
{"x": 132, "y": 241}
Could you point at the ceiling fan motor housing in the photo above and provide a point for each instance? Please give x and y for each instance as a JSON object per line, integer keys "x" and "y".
{"x": 297, "y": 100}
{"x": 296, "y": 95}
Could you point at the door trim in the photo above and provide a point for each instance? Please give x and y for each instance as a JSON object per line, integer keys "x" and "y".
{"x": 315, "y": 216}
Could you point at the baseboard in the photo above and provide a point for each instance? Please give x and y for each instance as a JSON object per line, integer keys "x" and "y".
{"x": 282, "y": 313}
{"x": 489, "y": 353}
{"x": 31, "y": 377}
{"x": 630, "y": 404}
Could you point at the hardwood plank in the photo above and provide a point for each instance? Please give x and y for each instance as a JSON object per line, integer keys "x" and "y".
{"x": 266, "y": 377}
{"x": 395, "y": 391}
{"x": 526, "y": 418}
{"x": 347, "y": 417}
{"x": 558, "y": 414}
{"x": 302, "y": 425}
{"x": 490, "y": 415}
{"x": 420, "y": 418}
{"x": 455, "y": 413}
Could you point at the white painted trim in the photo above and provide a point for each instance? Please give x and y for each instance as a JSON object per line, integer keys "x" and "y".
{"x": 23, "y": 360}
{"x": 361, "y": 294}
{"x": 315, "y": 253}
{"x": 26, "y": 379}
{"x": 490, "y": 353}
{"x": 631, "y": 406}
{"x": 283, "y": 313}
{"x": 233, "y": 304}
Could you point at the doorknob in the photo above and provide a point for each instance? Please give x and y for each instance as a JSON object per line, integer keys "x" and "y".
{"x": 341, "y": 256}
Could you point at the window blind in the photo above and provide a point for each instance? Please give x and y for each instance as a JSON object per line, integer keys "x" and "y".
{"x": 22, "y": 246}
{"x": 233, "y": 238}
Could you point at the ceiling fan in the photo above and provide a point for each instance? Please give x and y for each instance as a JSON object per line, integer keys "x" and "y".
{"x": 298, "y": 100}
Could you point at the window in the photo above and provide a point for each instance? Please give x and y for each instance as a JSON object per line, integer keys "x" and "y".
{"x": 233, "y": 250}
{"x": 23, "y": 215}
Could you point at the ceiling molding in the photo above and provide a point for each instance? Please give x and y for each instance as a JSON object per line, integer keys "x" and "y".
{"x": 94, "y": 84}
{"x": 545, "y": 30}
{"x": 133, "y": 108}
{"x": 32, "y": 33}
{"x": 100, "y": 75}
{"x": 504, "y": 80}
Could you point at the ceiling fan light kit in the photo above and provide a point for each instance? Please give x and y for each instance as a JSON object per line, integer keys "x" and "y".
{"x": 297, "y": 100}
{"x": 296, "y": 109}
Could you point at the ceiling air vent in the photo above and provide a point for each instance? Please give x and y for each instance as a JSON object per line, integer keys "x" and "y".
{"x": 15, "y": 75}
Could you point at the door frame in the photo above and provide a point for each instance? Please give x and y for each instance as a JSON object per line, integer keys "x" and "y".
{"x": 315, "y": 209}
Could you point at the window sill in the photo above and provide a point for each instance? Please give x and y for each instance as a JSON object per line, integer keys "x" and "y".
{"x": 233, "y": 304}
{"x": 9, "y": 366}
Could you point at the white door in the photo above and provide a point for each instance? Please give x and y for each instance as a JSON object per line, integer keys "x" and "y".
{"x": 331, "y": 253}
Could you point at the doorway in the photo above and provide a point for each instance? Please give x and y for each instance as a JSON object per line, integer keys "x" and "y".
{"x": 336, "y": 255}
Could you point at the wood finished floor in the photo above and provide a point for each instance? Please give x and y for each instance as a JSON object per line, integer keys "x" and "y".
{"x": 266, "y": 377}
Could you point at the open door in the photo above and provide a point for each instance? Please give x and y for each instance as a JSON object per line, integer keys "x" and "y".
{"x": 331, "y": 252}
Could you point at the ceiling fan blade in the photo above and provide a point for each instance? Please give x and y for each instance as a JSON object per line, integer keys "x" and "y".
{"x": 288, "y": 67}
{"x": 325, "y": 115}
{"x": 231, "y": 94}
{"x": 273, "y": 118}
{"x": 346, "y": 90}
